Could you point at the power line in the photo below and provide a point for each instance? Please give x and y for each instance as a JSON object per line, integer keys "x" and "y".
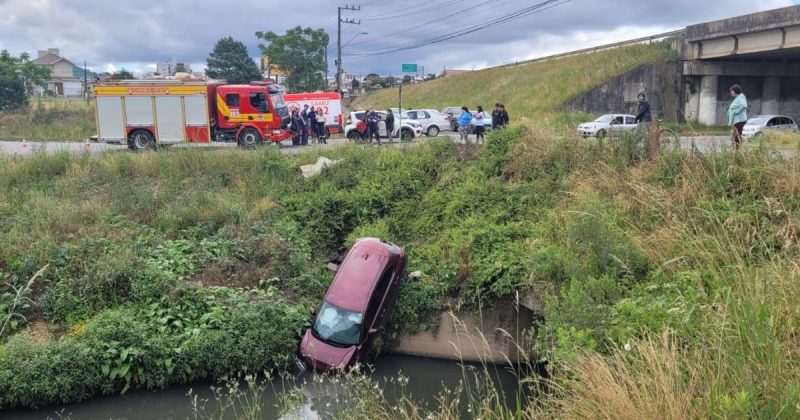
{"x": 539, "y": 7}
{"x": 473, "y": 9}
{"x": 427, "y": 8}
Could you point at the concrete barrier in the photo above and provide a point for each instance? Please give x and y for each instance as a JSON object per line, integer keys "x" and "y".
{"x": 498, "y": 335}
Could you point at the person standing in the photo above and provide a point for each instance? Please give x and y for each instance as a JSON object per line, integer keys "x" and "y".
{"x": 295, "y": 127}
{"x": 644, "y": 118}
{"x": 497, "y": 116}
{"x": 504, "y": 118}
{"x": 321, "y": 130}
{"x": 390, "y": 125}
{"x": 372, "y": 126}
{"x": 312, "y": 123}
{"x": 463, "y": 124}
{"x": 480, "y": 126}
{"x": 737, "y": 114}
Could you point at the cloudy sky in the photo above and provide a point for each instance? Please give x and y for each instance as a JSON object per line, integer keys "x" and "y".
{"x": 111, "y": 35}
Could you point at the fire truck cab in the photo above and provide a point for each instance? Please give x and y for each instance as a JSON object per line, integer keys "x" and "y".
{"x": 147, "y": 113}
{"x": 249, "y": 114}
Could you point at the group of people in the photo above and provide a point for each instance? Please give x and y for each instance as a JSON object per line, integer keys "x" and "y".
{"x": 369, "y": 127}
{"x": 499, "y": 119}
{"x": 737, "y": 115}
{"x": 308, "y": 122}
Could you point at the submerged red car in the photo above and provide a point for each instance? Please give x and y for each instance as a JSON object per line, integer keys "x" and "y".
{"x": 358, "y": 302}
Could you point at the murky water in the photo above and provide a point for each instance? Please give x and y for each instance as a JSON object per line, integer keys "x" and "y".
{"x": 427, "y": 378}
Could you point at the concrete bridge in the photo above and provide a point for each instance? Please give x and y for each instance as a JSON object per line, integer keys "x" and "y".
{"x": 760, "y": 52}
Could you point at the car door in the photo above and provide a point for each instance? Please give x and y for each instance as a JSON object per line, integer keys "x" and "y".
{"x": 630, "y": 124}
{"x": 617, "y": 124}
{"x": 382, "y": 124}
{"x": 424, "y": 118}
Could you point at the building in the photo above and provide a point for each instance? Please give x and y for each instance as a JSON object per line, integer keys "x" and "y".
{"x": 172, "y": 67}
{"x": 66, "y": 78}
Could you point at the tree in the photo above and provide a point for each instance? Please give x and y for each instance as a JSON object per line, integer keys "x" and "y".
{"x": 230, "y": 61}
{"x": 18, "y": 76}
{"x": 122, "y": 74}
{"x": 356, "y": 84}
{"x": 300, "y": 55}
{"x": 181, "y": 68}
{"x": 407, "y": 79}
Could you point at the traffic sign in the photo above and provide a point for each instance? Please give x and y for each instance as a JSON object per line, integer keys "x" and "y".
{"x": 409, "y": 68}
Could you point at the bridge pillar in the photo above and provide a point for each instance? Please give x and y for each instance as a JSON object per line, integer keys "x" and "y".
{"x": 707, "y": 114}
{"x": 771, "y": 96}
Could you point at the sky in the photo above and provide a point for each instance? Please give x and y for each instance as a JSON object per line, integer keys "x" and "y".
{"x": 111, "y": 35}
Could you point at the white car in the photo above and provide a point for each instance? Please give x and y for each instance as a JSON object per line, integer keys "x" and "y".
{"x": 410, "y": 129}
{"x": 758, "y": 125}
{"x": 614, "y": 124}
{"x": 432, "y": 120}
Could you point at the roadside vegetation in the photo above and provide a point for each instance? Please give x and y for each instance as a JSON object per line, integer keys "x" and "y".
{"x": 49, "y": 119}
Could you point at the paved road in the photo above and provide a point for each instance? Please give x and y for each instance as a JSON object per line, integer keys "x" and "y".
{"x": 702, "y": 144}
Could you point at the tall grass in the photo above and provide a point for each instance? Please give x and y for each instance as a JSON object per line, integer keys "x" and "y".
{"x": 528, "y": 91}
{"x": 51, "y": 119}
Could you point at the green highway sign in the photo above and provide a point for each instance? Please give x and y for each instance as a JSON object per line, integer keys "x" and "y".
{"x": 409, "y": 68}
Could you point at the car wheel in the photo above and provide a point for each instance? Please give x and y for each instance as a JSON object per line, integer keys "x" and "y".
{"x": 354, "y": 137}
{"x": 141, "y": 140}
{"x": 250, "y": 138}
{"x": 433, "y": 131}
{"x": 601, "y": 134}
{"x": 758, "y": 136}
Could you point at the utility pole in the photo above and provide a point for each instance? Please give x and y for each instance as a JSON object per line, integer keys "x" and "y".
{"x": 339, "y": 43}
{"x": 85, "y": 82}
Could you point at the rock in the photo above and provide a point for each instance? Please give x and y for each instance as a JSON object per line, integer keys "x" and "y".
{"x": 415, "y": 275}
{"x": 332, "y": 267}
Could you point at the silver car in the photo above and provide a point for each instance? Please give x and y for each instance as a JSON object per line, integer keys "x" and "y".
{"x": 614, "y": 124}
{"x": 761, "y": 124}
{"x": 432, "y": 120}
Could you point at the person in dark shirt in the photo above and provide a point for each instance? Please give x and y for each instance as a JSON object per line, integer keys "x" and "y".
{"x": 504, "y": 118}
{"x": 497, "y": 116}
{"x": 389, "y": 124}
{"x": 644, "y": 115}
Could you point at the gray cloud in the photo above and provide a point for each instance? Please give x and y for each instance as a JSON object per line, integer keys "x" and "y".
{"x": 149, "y": 31}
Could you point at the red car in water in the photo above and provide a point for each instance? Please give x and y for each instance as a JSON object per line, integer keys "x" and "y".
{"x": 358, "y": 302}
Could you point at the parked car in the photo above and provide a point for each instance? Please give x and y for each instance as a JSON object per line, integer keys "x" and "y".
{"x": 358, "y": 303}
{"x": 761, "y": 124}
{"x": 453, "y": 112}
{"x": 614, "y": 124}
{"x": 410, "y": 130}
{"x": 432, "y": 120}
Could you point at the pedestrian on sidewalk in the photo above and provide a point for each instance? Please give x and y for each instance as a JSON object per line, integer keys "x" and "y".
{"x": 737, "y": 114}
{"x": 463, "y": 124}
{"x": 480, "y": 126}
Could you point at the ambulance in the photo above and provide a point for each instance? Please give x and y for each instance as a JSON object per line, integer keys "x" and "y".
{"x": 330, "y": 102}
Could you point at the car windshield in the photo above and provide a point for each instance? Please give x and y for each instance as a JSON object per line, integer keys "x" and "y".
{"x": 338, "y": 326}
{"x": 277, "y": 100}
{"x": 757, "y": 121}
{"x": 604, "y": 119}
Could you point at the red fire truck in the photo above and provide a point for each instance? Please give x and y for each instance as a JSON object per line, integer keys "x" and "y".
{"x": 146, "y": 113}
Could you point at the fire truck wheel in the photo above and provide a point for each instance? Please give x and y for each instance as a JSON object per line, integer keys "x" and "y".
{"x": 250, "y": 138}
{"x": 140, "y": 140}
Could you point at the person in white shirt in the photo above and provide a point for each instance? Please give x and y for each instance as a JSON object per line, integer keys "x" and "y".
{"x": 480, "y": 125}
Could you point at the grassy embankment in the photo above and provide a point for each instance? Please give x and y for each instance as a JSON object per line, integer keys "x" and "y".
{"x": 174, "y": 266}
{"x": 531, "y": 93}
{"x": 49, "y": 119}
